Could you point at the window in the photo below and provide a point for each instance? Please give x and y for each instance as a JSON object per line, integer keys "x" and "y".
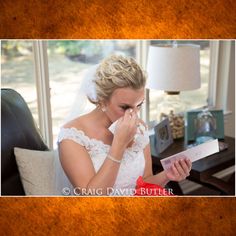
{"x": 17, "y": 71}
{"x": 195, "y": 98}
{"x": 68, "y": 63}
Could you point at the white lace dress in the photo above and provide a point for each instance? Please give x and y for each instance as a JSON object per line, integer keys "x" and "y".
{"x": 131, "y": 167}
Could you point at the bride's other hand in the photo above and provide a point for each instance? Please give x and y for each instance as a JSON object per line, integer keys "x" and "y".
{"x": 179, "y": 170}
{"x": 126, "y": 128}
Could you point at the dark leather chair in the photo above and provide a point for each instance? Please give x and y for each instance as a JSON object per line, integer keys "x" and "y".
{"x": 18, "y": 129}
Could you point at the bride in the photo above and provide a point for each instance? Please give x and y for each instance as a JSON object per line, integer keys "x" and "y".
{"x": 104, "y": 159}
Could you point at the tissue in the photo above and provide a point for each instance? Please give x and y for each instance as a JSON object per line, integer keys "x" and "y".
{"x": 140, "y": 130}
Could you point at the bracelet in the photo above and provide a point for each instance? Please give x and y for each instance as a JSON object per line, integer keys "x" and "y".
{"x": 113, "y": 159}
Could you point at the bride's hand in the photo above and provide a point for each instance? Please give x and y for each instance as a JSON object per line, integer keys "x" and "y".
{"x": 126, "y": 128}
{"x": 179, "y": 170}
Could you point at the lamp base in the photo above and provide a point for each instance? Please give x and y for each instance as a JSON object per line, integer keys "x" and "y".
{"x": 172, "y": 108}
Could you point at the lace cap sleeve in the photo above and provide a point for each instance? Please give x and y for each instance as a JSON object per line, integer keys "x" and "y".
{"x": 75, "y": 135}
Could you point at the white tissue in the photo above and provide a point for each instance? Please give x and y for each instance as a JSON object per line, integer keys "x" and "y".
{"x": 141, "y": 138}
{"x": 140, "y": 130}
{"x": 113, "y": 127}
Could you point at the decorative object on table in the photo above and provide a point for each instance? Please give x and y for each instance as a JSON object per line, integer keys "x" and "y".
{"x": 205, "y": 126}
{"x": 173, "y": 68}
{"x": 163, "y": 135}
{"x": 208, "y": 123}
{"x": 176, "y": 123}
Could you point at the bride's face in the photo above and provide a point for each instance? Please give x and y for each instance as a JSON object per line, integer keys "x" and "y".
{"x": 123, "y": 99}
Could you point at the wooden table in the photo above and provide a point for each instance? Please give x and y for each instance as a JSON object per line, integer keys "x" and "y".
{"x": 202, "y": 170}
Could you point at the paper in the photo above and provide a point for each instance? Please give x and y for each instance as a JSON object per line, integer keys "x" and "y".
{"x": 194, "y": 154}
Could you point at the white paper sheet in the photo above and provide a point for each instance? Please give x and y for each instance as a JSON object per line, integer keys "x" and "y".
{"x": 194, "y": 153}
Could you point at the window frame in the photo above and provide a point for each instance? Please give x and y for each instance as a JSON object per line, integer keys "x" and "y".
{"x": 219, "y": 70}
{"x": 43, "y": 90}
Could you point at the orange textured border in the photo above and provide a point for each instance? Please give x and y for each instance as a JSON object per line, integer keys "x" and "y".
{"x": 89, "y": 19}
{"x": 117, "y": 216}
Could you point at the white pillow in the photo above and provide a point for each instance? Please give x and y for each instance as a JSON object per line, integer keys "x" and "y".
{"x": 38, "y": 171}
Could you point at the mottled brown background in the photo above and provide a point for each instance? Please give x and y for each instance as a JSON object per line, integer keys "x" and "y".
{"x": 162, "y": 19}
{"x": 119, "y": 216}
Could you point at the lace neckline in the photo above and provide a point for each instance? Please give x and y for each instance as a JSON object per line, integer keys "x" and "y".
{"x": 92, "y": 139}
{"x": 138, "y": 145}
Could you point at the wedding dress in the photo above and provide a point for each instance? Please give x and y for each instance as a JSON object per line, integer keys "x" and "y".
{"x": 131, "y": 167}
{"x": 133, "y": 162}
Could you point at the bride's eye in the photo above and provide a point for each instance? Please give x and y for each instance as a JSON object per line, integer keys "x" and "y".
{"x": 139, "y": 106}
{"x": 125, "y": 107}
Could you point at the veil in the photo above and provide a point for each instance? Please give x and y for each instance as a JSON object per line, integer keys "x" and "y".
{"x": 80, "y": 106}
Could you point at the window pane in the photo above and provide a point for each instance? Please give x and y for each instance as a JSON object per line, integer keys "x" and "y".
{"x": 68, "y": 63}
{"x": 194, "y": 98}
{"x": 17, "y": 71}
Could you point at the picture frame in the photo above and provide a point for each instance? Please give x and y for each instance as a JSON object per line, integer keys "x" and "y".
{"x": 190, "y": 128}
{"x": 163, "y": 136}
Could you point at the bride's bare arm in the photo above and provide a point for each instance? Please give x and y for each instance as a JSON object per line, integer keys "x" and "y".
{"x": 78, "y": 165}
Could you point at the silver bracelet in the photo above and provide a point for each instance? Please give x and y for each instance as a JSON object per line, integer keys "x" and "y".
{"x": 113, "y": 159}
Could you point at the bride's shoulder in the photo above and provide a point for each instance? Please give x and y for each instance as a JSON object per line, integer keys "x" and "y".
{"x": 78, "y": 123}
{"x": 75, "y": 130}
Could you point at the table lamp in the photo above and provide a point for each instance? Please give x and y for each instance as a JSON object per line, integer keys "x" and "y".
{"x": 173, "y": 68}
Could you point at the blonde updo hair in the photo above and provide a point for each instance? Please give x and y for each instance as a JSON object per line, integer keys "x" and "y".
{"x": 117, "y": 72}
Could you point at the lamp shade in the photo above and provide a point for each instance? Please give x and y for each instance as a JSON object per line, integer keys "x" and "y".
{"x": 173, "y": 68}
